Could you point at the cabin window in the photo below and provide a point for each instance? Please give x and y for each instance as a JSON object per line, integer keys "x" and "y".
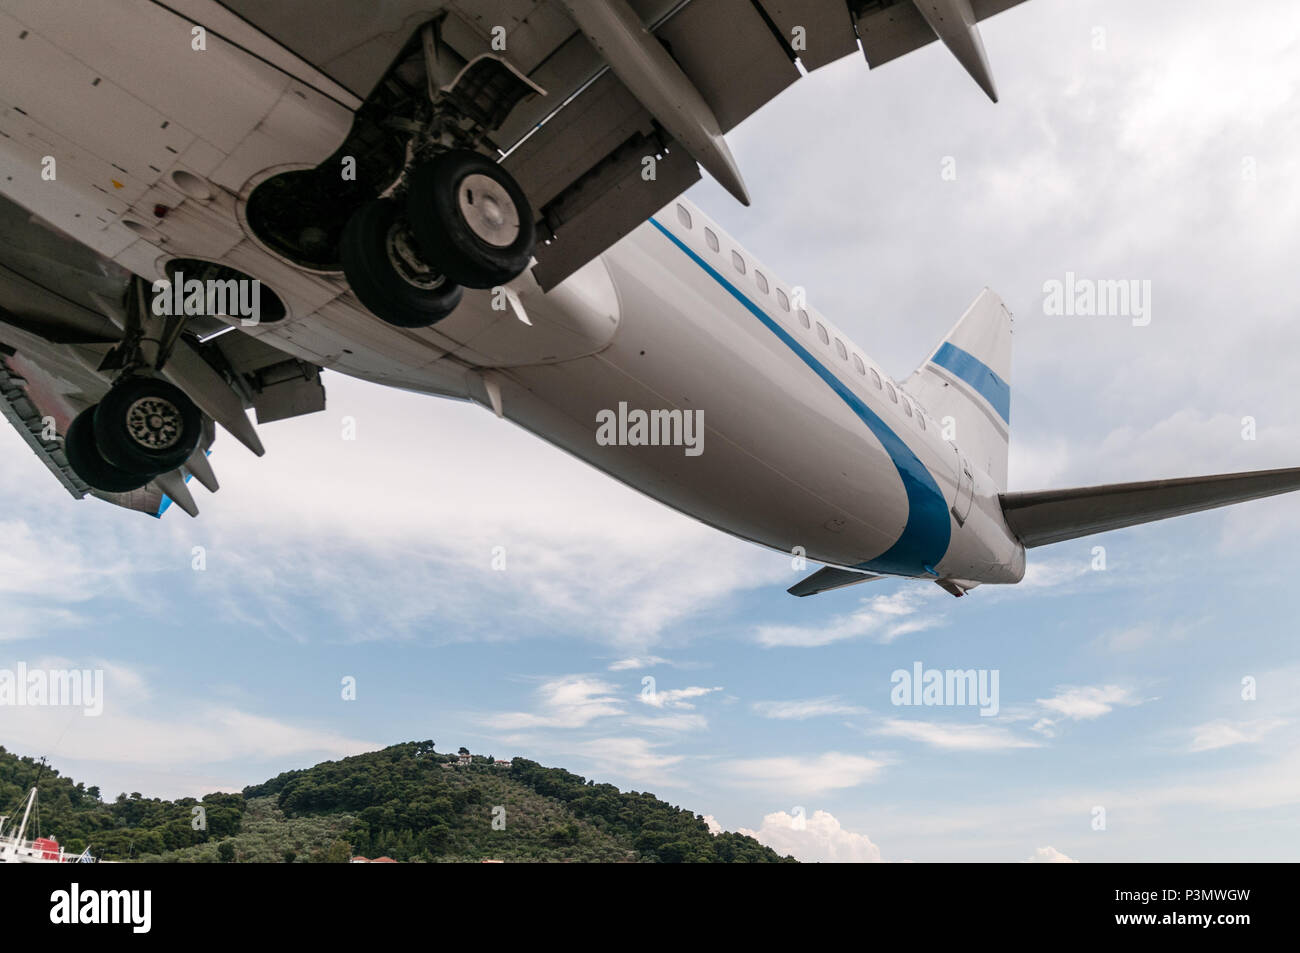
{"x": 683, "y": 216}
{"x": 711, "y": 238}
{"x": 738, "y": 262}
{"x": 821, "y": 333}
{"x": 893, "y": 395}
{"x": 762, "y": 281}
{"x": 803, "y": 317}
{"x": 839, "y": 347}
{"x": 875, "y": 378}
{"x": 907, "y": 408}
{"x": 858, "y": 365}
{"x": 782, "y": 300}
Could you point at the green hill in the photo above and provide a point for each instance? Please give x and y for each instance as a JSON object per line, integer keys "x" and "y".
{"x": 407, "y": 802}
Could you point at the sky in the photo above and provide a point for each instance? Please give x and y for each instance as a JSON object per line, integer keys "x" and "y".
{"x": 1147, "y": 704}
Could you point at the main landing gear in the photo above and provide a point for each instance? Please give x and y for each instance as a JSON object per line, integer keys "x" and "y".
{"x": 144, "y": 427}
{"x": 464, "y": 223}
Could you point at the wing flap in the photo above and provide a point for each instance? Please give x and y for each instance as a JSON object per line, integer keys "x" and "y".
{"x": 731, "y": 55}
{"x": 821, "y": 31}
{"x": 889, "y": 29}
{"x": 1053, "y": 516}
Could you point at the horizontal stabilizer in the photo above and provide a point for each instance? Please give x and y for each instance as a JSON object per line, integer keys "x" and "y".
{"x": 1052, "y": 516}
{"x": 828, "y": 578}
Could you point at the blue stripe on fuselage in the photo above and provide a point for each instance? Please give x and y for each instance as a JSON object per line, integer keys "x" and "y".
{"x": 926, "y": 535}
{"x": 978, "y": 375}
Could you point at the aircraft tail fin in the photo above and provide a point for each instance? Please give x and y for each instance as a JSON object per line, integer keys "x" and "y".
{"x": 968, "y": 379}
{"x": 1052, "y": 516}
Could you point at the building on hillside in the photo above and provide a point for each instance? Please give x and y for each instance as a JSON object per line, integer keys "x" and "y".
{"x": 464, "y": 759}
{"x": 498, "y": 763}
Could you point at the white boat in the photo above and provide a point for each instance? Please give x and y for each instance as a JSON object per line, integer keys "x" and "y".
{"x": 14, "y": 849}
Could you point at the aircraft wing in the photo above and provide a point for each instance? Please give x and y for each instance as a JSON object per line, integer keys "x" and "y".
{"x": 627, "y": 96}
{"x": 1052, "y": 516}
{"x": 61, "y": 310}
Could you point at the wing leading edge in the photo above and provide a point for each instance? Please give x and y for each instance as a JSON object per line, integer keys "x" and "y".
{"x": 1053, "y": 516}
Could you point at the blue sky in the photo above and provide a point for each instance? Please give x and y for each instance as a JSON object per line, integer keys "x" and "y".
{"x": 1119, "y": 688}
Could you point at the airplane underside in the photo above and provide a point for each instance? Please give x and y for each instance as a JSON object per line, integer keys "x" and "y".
{"x": 206, "y": 205}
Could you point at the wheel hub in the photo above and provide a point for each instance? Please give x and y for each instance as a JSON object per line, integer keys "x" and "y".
{"x": 154, "y": 423}
{"x": 488, "y": 210}
{"x": 407, "y": 262}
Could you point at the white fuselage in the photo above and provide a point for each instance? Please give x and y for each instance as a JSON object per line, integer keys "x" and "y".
{"x": 801, "y": 451}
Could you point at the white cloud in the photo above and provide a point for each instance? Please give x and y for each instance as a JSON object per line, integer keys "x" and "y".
{"x": 977, "y": 737}
{"x": 633, "y": 758}
{"x": 1081, "y": 704}
{"x": 676, "y": 697}
{"x": 804, "y": 775}
{"x": 816, "y": 839}
{"x": 571, "y": 701}
{"x": 1224, "y": 734}
{"x": 800, "y": 709}
{"x": 1088, "y": 702}
{"x": 1048, "y": 573}
{"x": 1050, "y": 855}
{"x": 646, "y": 661}
{"x": 882, "y": 618}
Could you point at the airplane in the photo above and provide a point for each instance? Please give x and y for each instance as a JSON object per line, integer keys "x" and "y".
{"x": 203, "y": 206}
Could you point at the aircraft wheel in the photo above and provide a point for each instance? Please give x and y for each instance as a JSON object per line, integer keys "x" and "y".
{"x": 147, "y": 425}
{"x": 471, "y": 217}
{"x": 387, "y": 273}
{"x": 89, "y": 464}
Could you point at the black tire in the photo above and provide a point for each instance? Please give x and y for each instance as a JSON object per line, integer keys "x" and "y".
{"x": 87, "y": 462}
{"x": 146, "y": 425}
{"x": 490, "y": 251}
{"x": 385, "y": 273}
